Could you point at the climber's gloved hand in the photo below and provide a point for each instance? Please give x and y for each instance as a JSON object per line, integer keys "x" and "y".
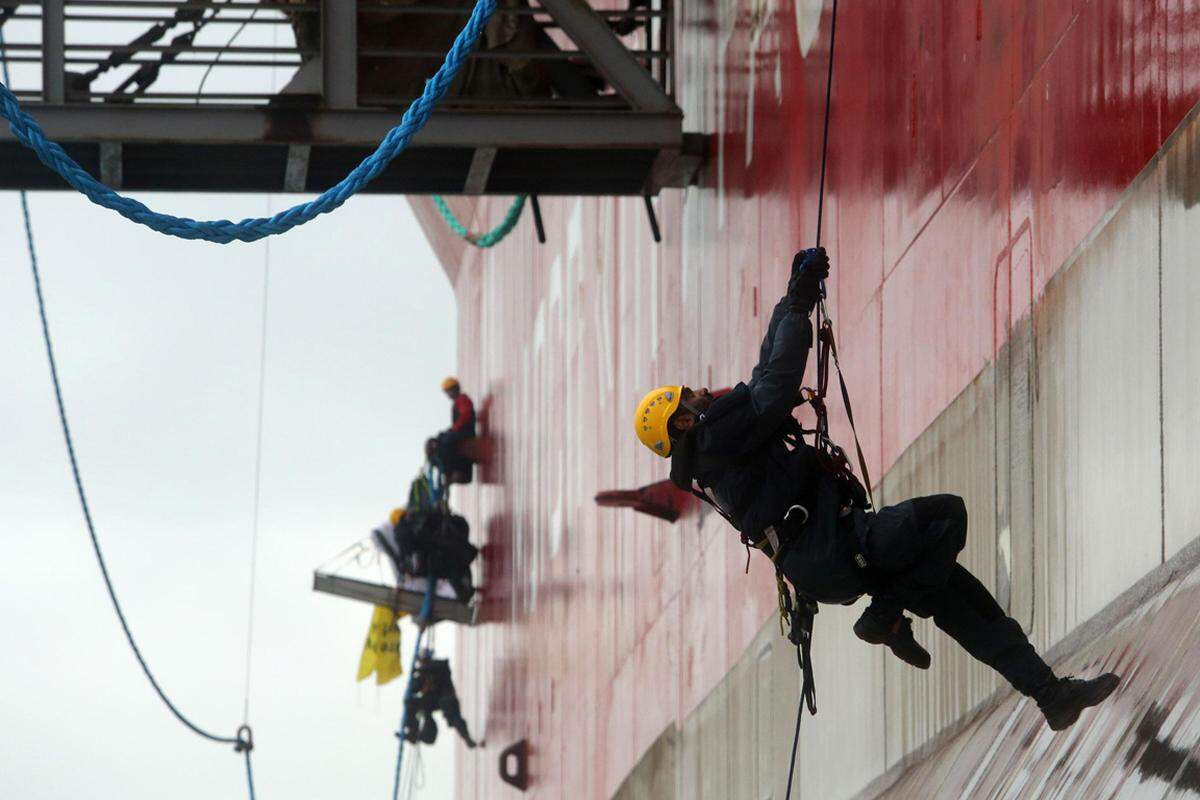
{"x": 809, "y": 268}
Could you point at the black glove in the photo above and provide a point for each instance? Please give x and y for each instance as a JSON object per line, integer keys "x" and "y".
{"x": 809, "y": 268}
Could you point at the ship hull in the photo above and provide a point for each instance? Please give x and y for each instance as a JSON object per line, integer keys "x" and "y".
{"x": 1010, "y": 214}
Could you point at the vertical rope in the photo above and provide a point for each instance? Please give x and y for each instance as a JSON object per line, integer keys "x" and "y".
{"x": 258, "y": 450}
{"x": 795, "y": 746}
{"x": 421, "y": 621}
{"x": 820, "y": 314}
{"x": 828, "y": 113}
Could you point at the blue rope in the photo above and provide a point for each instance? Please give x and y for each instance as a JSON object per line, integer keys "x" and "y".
{"x": 223, "y": 231}
{"x": 422, "y": 619}
{"x": 492, "y": 237}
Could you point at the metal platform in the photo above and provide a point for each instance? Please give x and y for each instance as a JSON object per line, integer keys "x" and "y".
{"x": 399, "y": 599}
{"x": 107, "y": 79}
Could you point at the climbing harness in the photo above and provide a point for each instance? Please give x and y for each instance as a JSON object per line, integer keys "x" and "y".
{"x": 832, "y": 456}
{"x": 492, "y": 237}
{"x": 223, "y": 231}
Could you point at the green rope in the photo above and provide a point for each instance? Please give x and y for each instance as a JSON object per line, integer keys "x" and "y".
{"x": 492, "y": 237}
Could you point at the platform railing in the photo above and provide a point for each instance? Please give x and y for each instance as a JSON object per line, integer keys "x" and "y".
{"x": 329, "y": 54}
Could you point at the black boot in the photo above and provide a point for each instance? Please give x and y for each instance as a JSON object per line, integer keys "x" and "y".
{"x": 1064, "y": 699}
{"x": 896, "y": 634}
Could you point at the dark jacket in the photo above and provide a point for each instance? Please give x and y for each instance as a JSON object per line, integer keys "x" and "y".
{"x": 737, "y": 449}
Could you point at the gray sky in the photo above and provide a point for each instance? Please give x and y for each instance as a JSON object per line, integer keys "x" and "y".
{"x": 158, "y": 347}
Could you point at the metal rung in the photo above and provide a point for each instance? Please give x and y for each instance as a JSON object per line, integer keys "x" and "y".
{"x": 399, "y": 599}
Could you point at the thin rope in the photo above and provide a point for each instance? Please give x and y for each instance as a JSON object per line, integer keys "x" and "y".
{"x": 820, "y": 313}
{"x": 233, "y": 38}
{"x": 258, "y": 449}
{"x": 249, "y": 774}
{"x": 795, "y": 746}
{"x": 351, "y": 553}
{"x": 29, "y": 133}
{"x": 825, "y": 138}
{"x": 414, "y": 775}
{"x": 492, "y": 237}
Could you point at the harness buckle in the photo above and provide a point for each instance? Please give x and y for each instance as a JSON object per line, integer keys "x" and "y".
{"x": 787, "y": 516}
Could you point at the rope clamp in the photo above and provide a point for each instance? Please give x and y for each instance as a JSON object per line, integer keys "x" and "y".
{"x": 245, "y": 740}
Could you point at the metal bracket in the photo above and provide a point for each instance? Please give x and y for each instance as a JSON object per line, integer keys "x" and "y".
{"x": 295, "y": 174}
{"x": 480, "y": 169}
{"x": 112, "y": 172}
{"x": 516, "y": 757}
{"x": 653, "y": 219}
{"x": 537, "y": 219}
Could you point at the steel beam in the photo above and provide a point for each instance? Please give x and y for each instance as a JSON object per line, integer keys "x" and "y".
{"x": 589, "y": 31}
{"x": 377, "y": 594}
{"x": 111, "y": 165}
{"x": 339, "y": 53}
{"x": 201, "y": 125}
{"x": 54, "y": 76}
{"x": 295, "y": 176}
{"x": 480, "y": 169}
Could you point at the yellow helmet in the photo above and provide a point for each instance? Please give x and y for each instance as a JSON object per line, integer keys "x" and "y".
{"x": 397, "y": 515}
{"x": 449, "y": 383}
{"x": 653, "y": 413}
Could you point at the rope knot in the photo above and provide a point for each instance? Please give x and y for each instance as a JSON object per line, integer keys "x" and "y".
{"x": 244, "y": 740}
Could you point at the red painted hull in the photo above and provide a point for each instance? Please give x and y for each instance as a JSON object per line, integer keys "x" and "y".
{"x": 974, "y": 147}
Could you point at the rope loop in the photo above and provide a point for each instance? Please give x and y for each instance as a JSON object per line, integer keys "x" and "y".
{"x": 492, "y": 237}
{"x": 245, "y": 739}
{"x": 223, "y": 231}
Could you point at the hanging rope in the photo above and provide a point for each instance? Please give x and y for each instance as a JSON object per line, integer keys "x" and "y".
{"x": 258, "y": 449}
{"x": 228, "y": 44}
{"x": 492, "y": 237}
{"x": 223, "y": 231}
{"x": 801, "y": 619}
{"x": 243, "y": 740}
{"x": 422, "y": 622}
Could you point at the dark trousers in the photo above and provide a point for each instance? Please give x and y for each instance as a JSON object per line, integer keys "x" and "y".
{"x": 913, "y": 547}
{"x": 418, "y": 718}
{"x": 452, "y": 461}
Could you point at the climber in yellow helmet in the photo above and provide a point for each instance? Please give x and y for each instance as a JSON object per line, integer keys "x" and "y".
{"x": 386, "y": 537}
{"x": 741, "y": 453}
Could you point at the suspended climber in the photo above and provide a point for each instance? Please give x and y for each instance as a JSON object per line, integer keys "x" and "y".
{"x": 446, "y": 449}
{"x": 744, "y": 453}
{"x": 429, "y": 543}
{"x": 432, "y": 690}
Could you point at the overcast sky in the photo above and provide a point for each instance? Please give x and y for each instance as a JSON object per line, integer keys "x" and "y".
{"x": 158, "y": 347}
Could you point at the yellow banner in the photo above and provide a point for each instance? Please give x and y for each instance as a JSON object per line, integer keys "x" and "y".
{"x": 381, "y": 651}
